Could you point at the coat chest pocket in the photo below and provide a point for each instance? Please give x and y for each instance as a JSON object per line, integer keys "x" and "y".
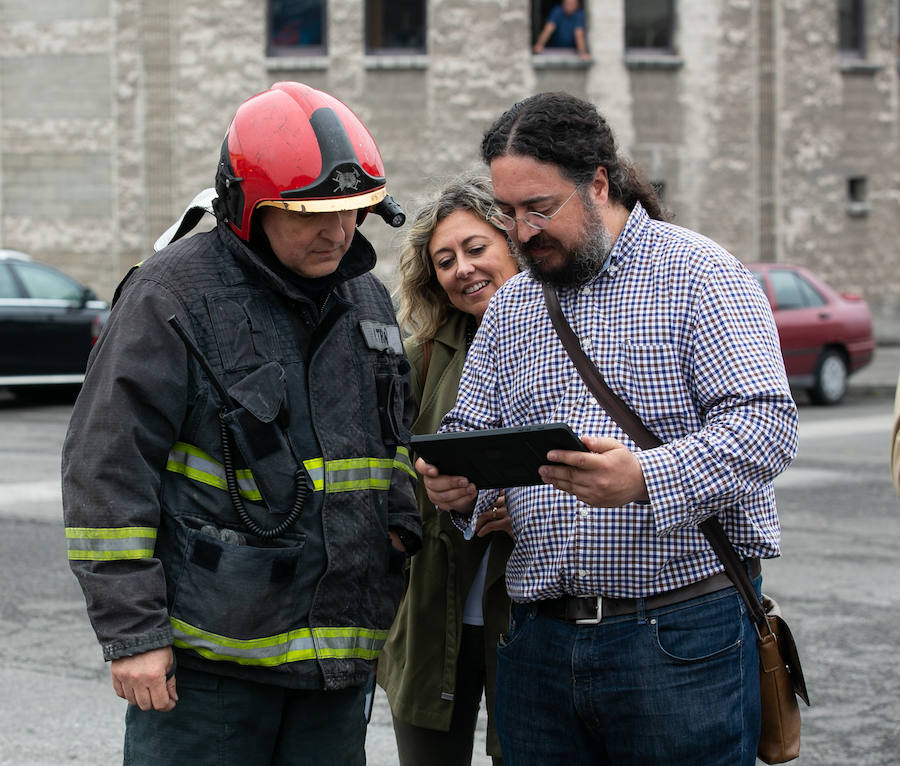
{"x": 244, "y": 328}
{"x": 391, "y": 390}
{"x": 255, "y": 427}
{"x": 391, "y": 378}
{"x": 247, "y": 338}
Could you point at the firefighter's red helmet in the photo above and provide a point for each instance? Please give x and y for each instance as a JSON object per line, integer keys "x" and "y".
{"x": 296, "y": 148}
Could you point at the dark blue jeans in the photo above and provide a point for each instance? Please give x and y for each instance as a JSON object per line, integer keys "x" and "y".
{"x": 224, "y": 721}
{"x": 677, "y": 685}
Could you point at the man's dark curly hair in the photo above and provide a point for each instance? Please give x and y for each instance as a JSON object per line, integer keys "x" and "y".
{"x": 562, "y": 130}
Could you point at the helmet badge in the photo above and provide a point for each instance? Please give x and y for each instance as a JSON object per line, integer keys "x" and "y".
{"x": 346, "y": 179}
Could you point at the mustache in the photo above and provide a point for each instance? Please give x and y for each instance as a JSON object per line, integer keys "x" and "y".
{"x": 582, "y": 262}
{"x": 537, "y": 242}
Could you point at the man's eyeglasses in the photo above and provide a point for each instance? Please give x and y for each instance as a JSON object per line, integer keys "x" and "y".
{"x": 537, "y": 221}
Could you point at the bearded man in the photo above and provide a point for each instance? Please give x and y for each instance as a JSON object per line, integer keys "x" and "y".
{"x": 628, "y": 643}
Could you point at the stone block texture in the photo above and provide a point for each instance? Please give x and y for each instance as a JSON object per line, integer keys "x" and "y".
{"x": 112, "y": 113}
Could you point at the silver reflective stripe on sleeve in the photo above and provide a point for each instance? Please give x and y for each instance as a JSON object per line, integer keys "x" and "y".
{"x": 110, "y": 543}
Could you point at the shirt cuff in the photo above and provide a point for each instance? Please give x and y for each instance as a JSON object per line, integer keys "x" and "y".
{"x": 485, "y": 500}
{"x": 669, "y": 502}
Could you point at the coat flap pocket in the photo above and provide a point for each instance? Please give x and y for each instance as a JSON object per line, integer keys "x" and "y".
{"x": 262, "y": 392}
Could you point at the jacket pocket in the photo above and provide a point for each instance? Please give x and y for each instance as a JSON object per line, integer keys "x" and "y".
{"x": 237, "y": 591}
{"x": 700, "y": 631}
{"x": 244, "y": 328}
{"x": 392, "y": 390}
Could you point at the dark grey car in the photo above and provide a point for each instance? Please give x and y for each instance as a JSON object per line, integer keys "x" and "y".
{"x": 48, "y": 323}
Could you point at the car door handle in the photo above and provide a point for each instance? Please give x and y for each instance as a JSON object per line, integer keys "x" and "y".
{"x": 824, "y": 315}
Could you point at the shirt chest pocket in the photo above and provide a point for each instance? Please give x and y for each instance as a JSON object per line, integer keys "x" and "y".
{"x": 651, "y": 379}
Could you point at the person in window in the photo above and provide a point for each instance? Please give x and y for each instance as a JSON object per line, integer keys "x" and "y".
{"x": 564, "y": 29}
{"x": 442, "y": 649}
{"x": 628, "y": 643}
{"x": 237, "y": 488}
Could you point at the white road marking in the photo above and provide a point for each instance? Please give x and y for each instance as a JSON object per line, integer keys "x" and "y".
{"x": 870, "y": 424}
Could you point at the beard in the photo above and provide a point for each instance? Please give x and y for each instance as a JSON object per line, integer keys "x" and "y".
{"x": 582, "y": 262}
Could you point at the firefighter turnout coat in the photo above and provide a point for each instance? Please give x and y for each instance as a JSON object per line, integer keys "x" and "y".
{"x": 309, "y": 403}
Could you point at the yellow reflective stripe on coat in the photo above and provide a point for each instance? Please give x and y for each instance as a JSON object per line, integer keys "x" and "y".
{"x": 195, "y": 464}
{"x": 342, "y": 475}
{"x": 110, "y": 543}
{"x": 402, "y": 462}
{"x": 293, "y": 646}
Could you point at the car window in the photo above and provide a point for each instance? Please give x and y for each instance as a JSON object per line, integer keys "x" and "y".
{"x": 792, "y": 291}
{"x": 760, "y": 280}
{"x": 811, "y": 296}
{"x": 43, "y": 282}
{"x": 7, "y": 286}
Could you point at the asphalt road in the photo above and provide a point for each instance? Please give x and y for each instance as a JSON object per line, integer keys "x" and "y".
{"x": 836, "y": 582}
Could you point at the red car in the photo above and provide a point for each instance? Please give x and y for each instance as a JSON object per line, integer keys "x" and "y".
{"x": 825, "y": 335}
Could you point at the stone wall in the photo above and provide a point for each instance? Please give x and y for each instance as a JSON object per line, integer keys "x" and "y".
{"x": 112, "y": 113}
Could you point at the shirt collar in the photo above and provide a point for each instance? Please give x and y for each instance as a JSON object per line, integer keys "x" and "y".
{"x": 626, "y": 243}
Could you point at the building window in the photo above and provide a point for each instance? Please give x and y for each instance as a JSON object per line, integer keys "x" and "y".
{"x": 857, "y": 202}
{"x": 558, "y": 25}
{"x": 851, "y": 28}
{"x": 296, "y": 27}
{"x": 395, "y": 26}
{"x": 650, "y": 25}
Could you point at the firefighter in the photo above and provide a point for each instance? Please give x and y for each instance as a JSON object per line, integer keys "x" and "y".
{"x": 238, "y": 497}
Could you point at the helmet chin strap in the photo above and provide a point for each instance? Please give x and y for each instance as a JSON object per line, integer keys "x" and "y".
{"x": 198, "y": 207}
{"x": 388, "y": 209}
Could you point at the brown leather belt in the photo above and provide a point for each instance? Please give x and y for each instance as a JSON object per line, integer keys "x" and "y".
{"x": 590, "y": 610}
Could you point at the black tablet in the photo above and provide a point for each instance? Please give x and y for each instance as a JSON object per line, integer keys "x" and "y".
{"x": 496, "y": 457}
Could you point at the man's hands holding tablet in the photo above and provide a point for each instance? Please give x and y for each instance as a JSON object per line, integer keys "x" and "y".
{"x": 448, "y": 493}
{"x": 608, "y": 476}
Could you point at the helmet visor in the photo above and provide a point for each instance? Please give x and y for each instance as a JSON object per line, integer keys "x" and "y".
{"x": 327, "y": 204}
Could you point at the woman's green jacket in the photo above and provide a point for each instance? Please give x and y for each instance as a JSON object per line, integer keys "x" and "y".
{"x": 417, "y": 667}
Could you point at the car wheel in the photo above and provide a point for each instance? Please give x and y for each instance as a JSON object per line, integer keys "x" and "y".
{"x": 831, "y": 378}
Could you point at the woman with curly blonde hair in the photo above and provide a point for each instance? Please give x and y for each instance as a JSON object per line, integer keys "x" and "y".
{"x": 441, "y": 652}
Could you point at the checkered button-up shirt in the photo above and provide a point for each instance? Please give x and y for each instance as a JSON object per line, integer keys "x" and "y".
{"x": 684, "y": 335}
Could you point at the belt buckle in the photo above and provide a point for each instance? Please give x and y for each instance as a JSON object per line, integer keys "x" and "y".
{"x": 593, "y": 620}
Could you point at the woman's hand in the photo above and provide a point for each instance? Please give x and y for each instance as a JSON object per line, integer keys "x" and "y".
{"x": 494, "y": 519}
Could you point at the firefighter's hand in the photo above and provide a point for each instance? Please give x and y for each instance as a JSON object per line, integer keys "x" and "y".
{"x": 141, "y": 679}
{"x": 608, "y": 476}
{"x": 448, "y": 493}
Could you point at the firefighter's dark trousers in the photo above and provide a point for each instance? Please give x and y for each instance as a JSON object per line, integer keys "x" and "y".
{"x": 224, "y": 721}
